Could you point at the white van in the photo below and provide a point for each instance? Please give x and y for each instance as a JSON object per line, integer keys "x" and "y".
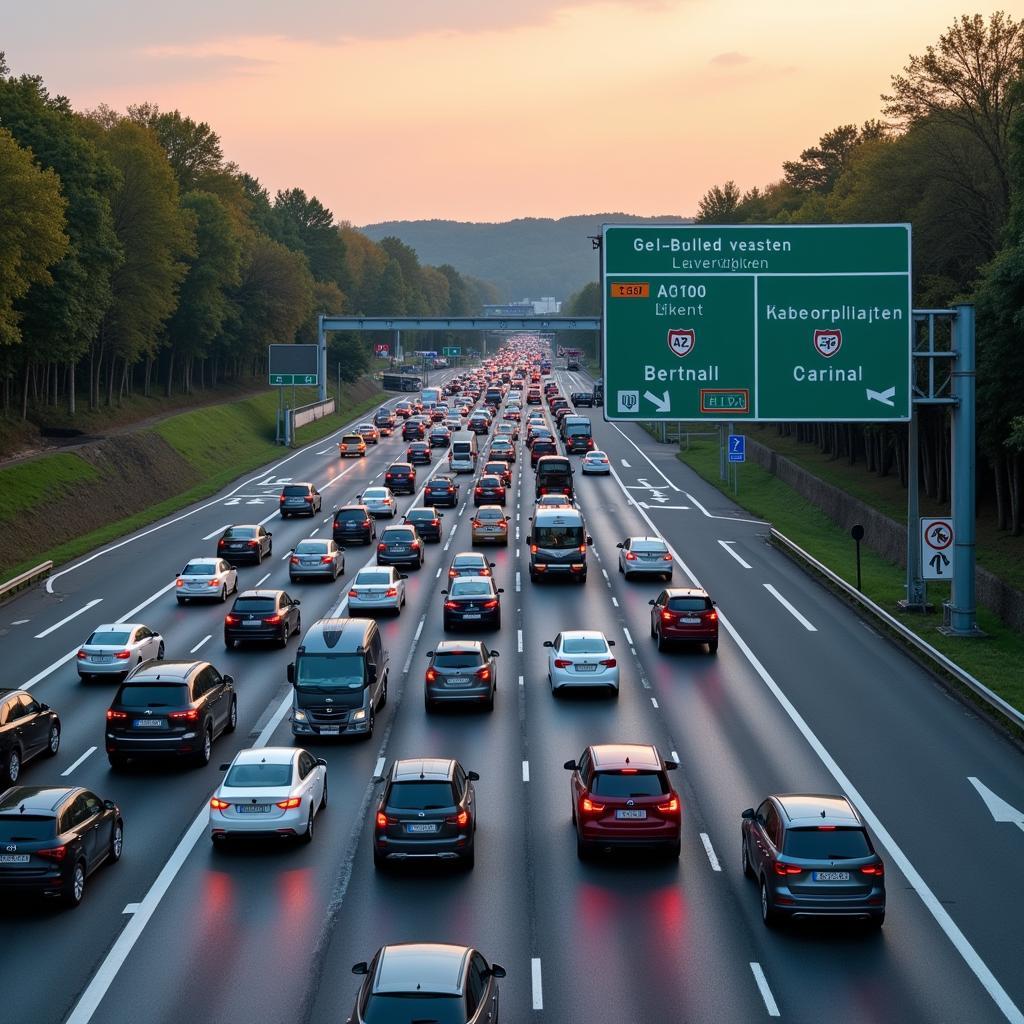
{"x": 463, "y": 451}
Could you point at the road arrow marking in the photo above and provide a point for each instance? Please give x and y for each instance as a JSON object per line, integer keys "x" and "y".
{"x": 997, "y": 806}
{"x": 664, "y": 404}
{"x": 886, "y": 396}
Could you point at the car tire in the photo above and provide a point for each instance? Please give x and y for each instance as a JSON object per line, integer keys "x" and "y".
{"x": 323, "y": 796}
{"x": 298, "y": 626}
{"x": 307, "y": 836}
{"x": 116, "y": 842}
{"x": 713, "y": 647}
{"x": 383, "y": 694}
{"x": 428, "y": 705}
{"x": 583, "y": 849}
{"x": 490, "y": 702}
{"x": 53, "y": 741}
{"x": 614, "y": 692}
{"x": 446, "y": 626}
{"x": 769, "y": 915}
{"x": 468, "y": 860}
{"x": 748, "y": 871}
{"x": 223, "y": 593}
{"x": 270, "y": 549}
{"x": 372, "y": 723}
{"x": 674, "y": 850}
{"x": 380, "y": 862}
{"x": 284, "y": 515}
{"x": 229, "y": 644}
{"x": 234, "y": 588}
{"x": 182, "y": 600}
{"x": 118, "y": 762}
{"x": 497, "y": 622}
{"x": 202, "y": 759}
{"x": 654, "y": 636}
{"x": 232, "y": 723}
{"x": 661, "y": 641}
{"x": 875, "y": 922}
{"x": 74, "y": 888}
{"x": 12, "y": 766}
{"x": 295, "y": 579}
{"x": 160, "y": 651}
{"x": 282, "y": 640}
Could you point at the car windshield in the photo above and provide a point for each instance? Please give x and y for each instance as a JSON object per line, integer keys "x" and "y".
{"x": 352, "y": 515}
{"x": 558, "y": 536}
{"x": 257, "y": 776}
{"x": 417, "y": 514}
{"x": 491, "y": 514}
{"x": 628, "y": 783}
{"x": 490, "y": 481}
{"x": 153, "y": 695}
{"x": 369, "y": 578}
{"x": 351, "y": 439}
{"x": 651, "y": 546}
{"x": 826, "y": 844}
{"x": 457, "y": 659}
{"x": 240, "y": 532}
{"x": 372, "y": 494}
{"x": 471, "y": 588}
{"x": 24, "y": 828}
{"x": 255, "y": 604}
{"x": 596, "y": 456}
{"x": 584, "y": 645}
{"x": 311, "y": 547}
{"x": 468, "y": 562}
{"x": 406, "y": 1007}
{"x": 397, "y": 536}
{"x": 420, "y": 795}
{"x": 294, "y": 490}
{"x": 110, "y": 637}
{"x": 329, "y": 672}
{"x": 198, "y": 569}
{"x": 688, "y": 604}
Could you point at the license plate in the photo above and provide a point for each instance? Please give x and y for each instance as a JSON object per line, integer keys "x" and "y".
{"x": 13, "y": 858}
{"x": 631, "y": 815}
{"x": 250, "y": 623}
{"x": 330, "y": 730}
{"x": 457, "y": 681}
{"x": 310, "y": 561}
{"x": 421, "y": 826}
{"x": 690, "y": 620}
{"x": 491, "y": 529}
{"x": 586, "y": 668}
{"x": 102, "y": 659}
{"x": 252, "y": 808}
{"x": 148, "y": 723}
{"x": 831, "y": 876}
{"x": 471, "y": 615}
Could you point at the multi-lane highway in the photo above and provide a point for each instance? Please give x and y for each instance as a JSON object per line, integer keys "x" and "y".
{"x": 802, "y": 696}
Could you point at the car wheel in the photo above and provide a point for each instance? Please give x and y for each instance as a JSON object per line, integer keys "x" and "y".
{"x": 203, "y": 757}
{"x": 497, "y": 622}
{"x": 674, "y": 850}
{"x": 118, "y": 762}
{"x": 583, "y": 849}
{"x": 74, "y": 887}
{"x": 468, "y": 860}
{"x": 661, "y": 641}
{"x": 748, "y": 871}
{"x": 116, "y": 842}
{"x": 282, "y": 640}
{"x": 876, "y": 921}
{"x": 53, "y": 741}
{"x": 223, "y": 593}
{"x": 713, "y": 647}
{"x": 428, "y": 704}
{"x": 298, "y": 625}
{"x": 295, "y": 579}
{"x": 13, "y": 766}
{"x": 284, "y": 515}
{"x": 160, "y": 652}
{"x": 270, "y": 549}
{"x": 383, "y": 694}
{"x": 446, "y": 626}
{"x": 621, "y": 569}
{"x": 307, "y": 836}
{"x": 229, "y": 644}
{"x": 769, "y": 915}
{"x": 234, "y": 586}
{"x": 490, "y": 701}
{"x": 182, "y": 600}
{"x": 232, "y": 723}
{"x": 259, "y": 557}
{"x": 373, "y": 722}
{"x": 323, "y": 795}
{"x": 654, "y": 635}
{"x": 380, "y": 862}
{"x": 614, "y": 692}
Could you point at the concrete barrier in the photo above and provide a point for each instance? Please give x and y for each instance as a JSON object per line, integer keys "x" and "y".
{"x": 310, "y": 413}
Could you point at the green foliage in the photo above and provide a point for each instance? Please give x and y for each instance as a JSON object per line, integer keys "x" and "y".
{"x": 719, "y": 204}
{"x": 308, "y": 226}
{"x": 38, "y": 482}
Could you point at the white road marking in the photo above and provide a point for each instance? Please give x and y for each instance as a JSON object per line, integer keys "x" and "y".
{"x": 315, "y": 532}
{"x": 67, "y": 771}
{"x": 264, "y": 580}
{"x": 604, "y": 573}
{"x": 675, "y": 757}
{"x": 324, "y": 451}
{"x": 615, "y": 602}
{"x": 217, "y": 532}
{"x": 419, "y": 630}
{"x": 286, "y": 555}
{"x": 200, "y": 644}
{"x": 519, "y": 583}
{"x": 629, "y": 639}
{"x": 806, "y": 623}
{"x": 731, "y": 519}
{"x": 67, "y": 618}
{"x": 517, "y": 533}
{"x": 710, "y": 851}
{"x": 437, "y": 574}
{"x": 625, "y": 464}
{"x": 131, "y": 908}
{"x": 327, "y": 520}
{"x": 520, "y": 680}
{"x": 519, "y": 641}
{"x": 538, "y": 993}
{"x": 725, "y": 544}
{"x": 646, "y": 459}
{"x": 766, "y": 992}
{"x": 654, "y": 702}
{"x": 378, "y": 767}
{"x": 19, "y": 622}
{"x": 526, "y": 771}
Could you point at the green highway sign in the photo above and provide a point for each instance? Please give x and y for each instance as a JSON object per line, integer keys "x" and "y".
{"x": 303, "y": 379}
{"x": 451, "y": 351}
{"x": 795, "y": 322}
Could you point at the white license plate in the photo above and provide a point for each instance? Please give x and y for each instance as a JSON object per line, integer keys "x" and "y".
{"x": 586, "y": 668}
{"x": 457, "y": 681}
{"x": 330, "y": 730}
{"x": 102, "y": 659}
{"x": 421, "y": 826}
{"x": 252, "y": 808}
{"x": 148, "y": 723}
{"x": 690, "y": 620}
{"x": 13, "y": 858}
{"x": 831, "y": 876}
{"x": 631, "y": 815}
{"x": 310, "y": 561}
{"x": 252, "y": 623}
{"x": 471, "y": 615}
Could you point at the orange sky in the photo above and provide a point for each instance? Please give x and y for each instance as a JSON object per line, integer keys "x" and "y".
{"x": 577, "y": 107}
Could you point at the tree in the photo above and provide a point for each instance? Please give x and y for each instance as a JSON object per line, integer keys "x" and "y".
{"x": 32, "y": 235}
{"x": 308, "y": 226}
{"x": 326, "y": 298}
{"x": 718, "y": 205}
{"x": 820, "y": 165}
{"x": 193, "y": 148}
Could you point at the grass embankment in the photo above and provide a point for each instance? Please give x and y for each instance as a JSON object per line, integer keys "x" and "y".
{"x": 213, "y": 446}
{"x": 994, "y": 659}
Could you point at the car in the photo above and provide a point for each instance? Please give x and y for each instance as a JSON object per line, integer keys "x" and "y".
{"x": 245, "y": 544}
{"x": 385, "y": 422}
{"x": 458, "y": 983}
{"x": 502, "y": 449}
{"x": 538, "y": 434}
{"x": 555, "y": 501}
{"x": 509, "y": 431}
{"x": 440, "y": 436}
{"x": 54, "y": 838}
{"x": 684, "y": 614}
{"x": 403, "y": 409}
{"x": 115, "y": 648}
{"x": 352, "y": 446}
{"x": 533, "y": 396}
{"x": 453, "y": 422}
{"x": 489, "y": 525}
{"x": 368, "y": 432}
{"x": 354, "y": 524}
{"x": 262, "y": 615}
{"x": 479, "y": 424}
{"x": 377, "y": 589}
{"x": 582, "y": 398}
{"x": 170, "y": 709}
{"x": 380, "y": 503}
{"x": 499, "y": 468}
{"x": 427, "y": 522}
{"x": 313, "y": 557}
{"x": 582, "y": 657}
{"x": 811, "y": 856}
{"x": 460, "y": 672}
{"x": 269, "y": 792}
{"x": 596, "y": 461}
{"x": 400, "y": 477}
{"x": 489, "y": 490}
{"x": 299, "y": 499}
{"x": 206, "y": 579}
{"x": 427, "y": 810}
{"x": 28, "y": 729}
{"x": 419, "y": 452}
{"x": 542, "y": 446}
{"x": 470, "y": 563}
{"x": 622, "y": 799}
{"x": 472, "y": 601}
{"x": 441, "y": 490}
{"x": 645, "y": 556}
{"x": 413, "y": 429}
{"x": 400, "y": 545}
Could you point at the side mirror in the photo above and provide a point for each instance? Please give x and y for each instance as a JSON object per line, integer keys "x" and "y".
{"x": 403, "y": 575}
{"x": 611, "y": 643}
{"x": 490, "y": 565}
{"x": 590, "y": 540}
{"x": 269, "y": 534}
{"x": 444, "y": 591}
{"x": 430, "y": 654}
{"x": 291, "y": 673}
{"x": 529, "y": 538}
{"x": 671, "y": 765}
{"x": 225, "y": 766}
{"x": 361, "y": 968}
{"x": 377, "y": 779}
{"x": 651, "y": 602}
{"x": 549, "y": 643}
{"x": 440, "y": 515}
{"x": 44, "y": 707}
{"x": 359, "y": 497}
{"x": 495, "y": 654}
{"x": 472, "y": 776}
{"x": 110, "y": 805}
{"x": 320, "y": 761}
{"x": 496, "y": 971}
{"x": 177, "y": 575}
{"x": 296, "y": 602}
{"x": 619, "y": 545}
{"x": 501, "y": 590}
{"x": 569, "y": 766}
{"x": 228, "y": 680}
{"x": 748, "y": 814}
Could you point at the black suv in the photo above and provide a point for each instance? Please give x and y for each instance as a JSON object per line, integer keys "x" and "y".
{"x": 245, "y": 544}
{"x": 401, "y": 477}
{"x": 353, "y": 523}
{"x": 170, "y": 708}
{"x": 442, "y": 490}
{"x": 54, "y": 837}
{"x": 262, "y": 615}
{"x": 419, "y": 452}
{"x": 27, "y": 729}
{"x": 299, "y": 500}
{"x": 413, "y": 430}
{"x": 427, "y": 522}
{"x": 400, "y": 545}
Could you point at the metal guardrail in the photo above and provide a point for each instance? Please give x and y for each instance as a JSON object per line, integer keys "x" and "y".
{"x": 27, "y": 577}
{"x": 992, "y": 699}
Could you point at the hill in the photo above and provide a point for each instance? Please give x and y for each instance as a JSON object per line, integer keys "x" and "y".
{"x": 531, "y": 257}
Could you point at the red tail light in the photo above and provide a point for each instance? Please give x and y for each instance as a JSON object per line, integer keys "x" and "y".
{"x": 82, "y": 654}
{"x": 179, "y": 583}
{"x": 431, "y": 675}
{"x": 874, "y": 869}
{"x": 326, "y": 559}
{"x": 452, "y": 573}
{"x": 290, "y": 804}
{"x": 672, "y": 807}
{"x": 435, "y": 522}
{"x": 451, "y": 605}
{"x": 116, "y": 716}
{"x": 293, "y": 560}
{"x": 252, "y": 544}
{"x": 475, "y": 523}
{"x": 192, "y": 715}
{"x": 122, "y": 655}
{"x": 562, "y": 662}
{"x": 533, "y": 551}
{"x": 382, "y": 820}
{"x": 462, "y": 818}
{"x": 491, "y": 604}
{"x": 309, "y": 497}
{"x": 826, "y": 828}
{"x": 216, "y": 583}
{"x": 387, "y": 476}
{"x": 281, "y": 499}
{"x": 583, "y": 549}
{"x": 272, "y": 620}
{"x": 219, "y": 805}
{"x": 630, "y": 556}
{"x": 666, "y": 558}
{"x": 478, "y": 490}
{"x": 392, "y": 592}
{"x": 608, "y": 663}
{"x": 221, "y": 542}
{"x": 711, "y": 616}
{"x": 483, "y": 673}
{"x": 366, "y": 522}
{"x": 543, "y": 490}
{"x": 381, "y": 547}
{"x": 588, "y": 806}
{"x": 667, "y": 617}
{"x": 786, "y": 869}
{"x": 415, "y": 545}
{"x": 231, "y": 620}
{"x": 57, "y": 853}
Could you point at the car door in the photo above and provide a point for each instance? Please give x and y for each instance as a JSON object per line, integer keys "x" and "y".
{"x": 94, "y": 827}
{"x": 12, "y": 715}
{"x": 464, "y": 789}
{"x": 33, "y": 725}
{"x": 660, "y": 603}
{"x": 556, "y": 646}
{"x": 215, "y": 695}
{"x": 760, "y": 835}
{"x": 317, "y": 499}
{"x": 580, "y": 778}
{"x": 311, "y": 781}
{"x": 229, "y": 574}
{"x": 264, "y": 539}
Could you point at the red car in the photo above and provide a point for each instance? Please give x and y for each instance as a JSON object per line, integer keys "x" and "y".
{"x": 498, "y": 467}
{"x": 684, "y": 614}
{"x": 621, "y": 798}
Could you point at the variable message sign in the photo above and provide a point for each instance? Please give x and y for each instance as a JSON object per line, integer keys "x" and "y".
{"x": 293, "y": 364}
{"x": 802, "y": 322}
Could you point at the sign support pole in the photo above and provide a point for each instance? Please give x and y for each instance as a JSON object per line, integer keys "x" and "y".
{"x": 916, "y": 599}
{"x": 321, "y": 336}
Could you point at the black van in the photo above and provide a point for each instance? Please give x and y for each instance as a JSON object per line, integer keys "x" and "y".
{"x": 340, "y": 678}
{"x": 553, "y": 476}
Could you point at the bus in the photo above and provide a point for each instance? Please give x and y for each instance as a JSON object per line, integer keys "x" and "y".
{"x": 401, "y": 382}
{"x": 430, "y": 397}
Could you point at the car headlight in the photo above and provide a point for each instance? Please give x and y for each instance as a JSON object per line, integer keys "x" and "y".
{"x": 298, "y": 715}
{"x": 358, "y": 716}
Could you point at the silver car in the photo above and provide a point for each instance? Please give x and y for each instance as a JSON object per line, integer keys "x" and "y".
{"x": 206, "y": 579}
{"x": 116, "y": 648}
{"x": 596, "y": 461}
{"x": 377, "y": 589}
{"x": 380, "y": 501}
{"x": 319, "y": 558}
{"x": 582, "y": 657}
{"x": 645, "y": 556}
{"x": 269, "y": 791}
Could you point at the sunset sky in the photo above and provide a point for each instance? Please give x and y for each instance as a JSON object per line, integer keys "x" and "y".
{"x": 396, "y": 109}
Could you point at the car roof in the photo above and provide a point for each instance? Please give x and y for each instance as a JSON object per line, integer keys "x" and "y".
{"x": 262, "y": 593}
{"x": 685, "y": 592}
{"x": 163, "y": 672}
{"x": 422, "y": 967}
{"x": 622, "y": 755}
{"x": 490, "y": 508}
{"x": 583, "y": 634}
{"x": 268, "y": 755}
{"x": 450, "y": 646}
{"x": 478, "y": 555}
{"x": 36, "y": 799}
{"x": 489, "y": 580}
{"x": 417, "y": 769}
{"x": 129, "y": 625}
{"x": 810, "y": 809}
{"x": 204, "y": 560}
{"x": 296, "y": 483}
{"x": 243, "y": 526}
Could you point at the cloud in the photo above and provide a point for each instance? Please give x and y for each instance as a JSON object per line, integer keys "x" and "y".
{"x": 730, "y": 59}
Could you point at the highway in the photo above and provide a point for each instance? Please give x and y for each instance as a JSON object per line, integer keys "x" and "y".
{"x": 803, "y": 696}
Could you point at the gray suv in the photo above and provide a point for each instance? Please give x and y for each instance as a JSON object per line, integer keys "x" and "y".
{"x": 460, "y": 672}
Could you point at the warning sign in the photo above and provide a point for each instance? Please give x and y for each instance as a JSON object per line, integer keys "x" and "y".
{"x": 937, "y": 549}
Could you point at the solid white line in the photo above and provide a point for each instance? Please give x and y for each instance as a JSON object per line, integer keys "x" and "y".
{"x": 654, "y": 702}
{"x": 538, "y": 993}
{"x": 264, "y": 580}
{"x": 378, "y": 767}
{"x": 629, "y": 639}
{"x": 200, "y": 644}
{"x": 518, "y": 583}
{"x": 526, "y": 771}
{"x": 19, "y": 622}
{"x": 129, "y": 615}
{"x": 419, "y": 630}
{"x": 766, "y": 992}
{"x": 731, "y": 519}
{"x": 67, "y": 771}
{"x": 74, "y": 615}
{"x": 710, "y": 851}
{"x": 130, "y": 908}
{"x": 615, "y": 602}
{"x": 287, "y": 554}
{"x": 324, "y": 452}
{"x": 644, "y": 456}
{"x": 725, "y": 544}
{"x": 437, "y": 574}
{"x": 315, "y": 532}
{"x": 806, "y": 623}
{"x": 217, "y": 532}
{"x": 519, "y": 640}
{"x": 520, "y": 680}
{"x": 266, "y": 519}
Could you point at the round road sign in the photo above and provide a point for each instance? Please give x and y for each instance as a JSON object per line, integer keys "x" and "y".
{"x": 938, "y": 536}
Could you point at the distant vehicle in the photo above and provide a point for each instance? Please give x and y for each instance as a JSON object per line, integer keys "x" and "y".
{"x": 27, "y": 729}
{"x": 684, "y": 613}
{"x": 460, "y": 671}
{"x": 582, "y": 398}
{"x": 596, "y": 461}
{"x": 317, "y": 557}
{"x": 262, "y": 615}
{"x": 299, "y": 500}
{"x": 208, "y": 579}
{"x": 401, "y": 382}
{"x": 377, "y": 589}
{"x": 582, "y": 657}
{"x": 430, "y": 396}
{"x": 644, "y": 556}
{"x": 245, "y": 543}
{"x": 114, "y": 649}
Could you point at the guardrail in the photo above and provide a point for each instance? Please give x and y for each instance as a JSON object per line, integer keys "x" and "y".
{"x": 992, "y": 699}
{"x": 308, "y": 413}
{"x": 27, "y": 577}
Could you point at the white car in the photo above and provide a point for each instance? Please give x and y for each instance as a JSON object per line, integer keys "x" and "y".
{"x": 596, "y": 462}
{"x": 645, "y": 556}
{"x": 116, "y": 648}
{"x": 269, "y": 791}
{"x": 378, "y": 588}
{"x": 582, "y": 657}
{"x": 208, "y": 579}
{"x": 380, "y": 501}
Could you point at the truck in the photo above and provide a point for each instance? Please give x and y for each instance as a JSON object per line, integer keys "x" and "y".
{"x": 430, "y": 397}
{"x": 401, "y": 382}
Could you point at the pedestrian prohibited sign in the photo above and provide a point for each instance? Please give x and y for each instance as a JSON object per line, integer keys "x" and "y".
{"x": 937, "y": 549}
